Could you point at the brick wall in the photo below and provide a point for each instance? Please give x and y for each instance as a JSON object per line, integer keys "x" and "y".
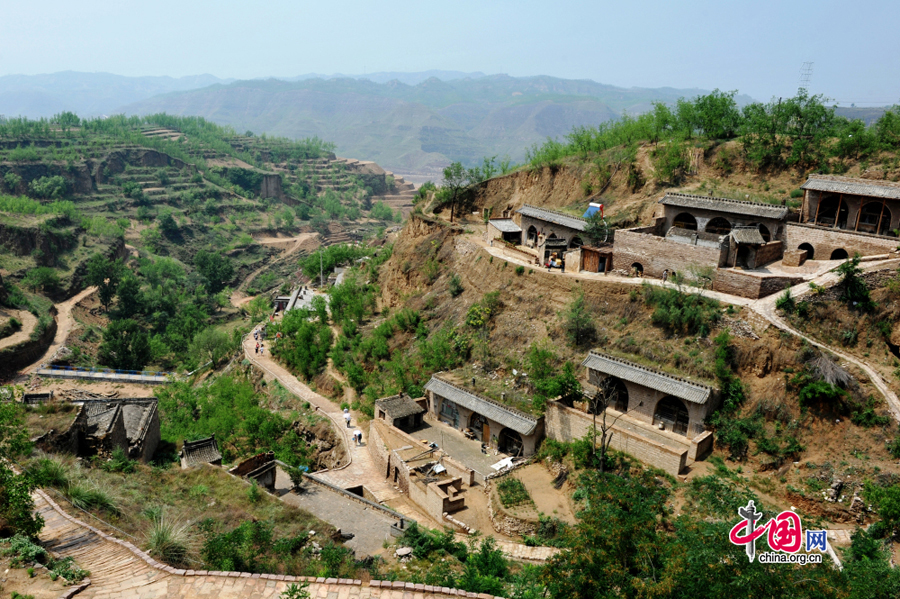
{"x": 794, "y": 258}
{"x": 566, "y": 424}
{"x": 395, "y": 438}
{"x": 656, "y": 254}
{"x": 824, "y": 241}
{"x": 377, "y": 450}
{"x": 738, "y": 283}
{"x": 769, "y": 252}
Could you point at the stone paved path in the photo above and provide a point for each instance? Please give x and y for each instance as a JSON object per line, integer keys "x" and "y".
{"x": 121, "y": 571}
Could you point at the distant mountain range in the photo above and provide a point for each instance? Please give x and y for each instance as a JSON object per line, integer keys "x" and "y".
{"x": 407, "y": 122}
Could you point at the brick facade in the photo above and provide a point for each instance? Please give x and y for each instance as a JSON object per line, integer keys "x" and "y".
{"x": 794, "y": 258}
{"x": 670, "y": 455}
{"x": 774, "y": 226}
{"x": 825, "y": 240}
{"x": 657, "y": 254}
{"x": 735, "y": 282}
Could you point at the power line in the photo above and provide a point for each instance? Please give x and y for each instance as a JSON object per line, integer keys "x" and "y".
{"x": 806, "y": 71}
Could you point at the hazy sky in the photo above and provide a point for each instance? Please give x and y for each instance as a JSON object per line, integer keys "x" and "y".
{"x": 755, "y": 46}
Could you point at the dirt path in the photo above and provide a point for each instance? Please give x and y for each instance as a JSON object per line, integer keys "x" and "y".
{"x": 28, "y": 320}
{"x": 292, "y": 246}
{"x": 64, "y": 324}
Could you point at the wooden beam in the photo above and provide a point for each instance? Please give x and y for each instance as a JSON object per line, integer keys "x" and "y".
{"x": 838, "y": 213}
{"x": 880, "y": 216}
{"x": 858, "y": 214}
{"x": 819, "y": 205}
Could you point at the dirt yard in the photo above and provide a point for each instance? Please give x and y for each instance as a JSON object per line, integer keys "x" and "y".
{"x": 17, "y": 580}
{"x": 547, "y": 500}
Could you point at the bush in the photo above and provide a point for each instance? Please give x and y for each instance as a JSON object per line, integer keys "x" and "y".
{"x": 87, "y": 498}
{"x": 455, "y": 285}
{"x": 520, "y": 270}
{"x": 120, "y": 462}
{"x": 796, "y": 193}
{"x": 785, "y": 302}
{"x": 677, "y": 312}
{"x": 49, "y": 473}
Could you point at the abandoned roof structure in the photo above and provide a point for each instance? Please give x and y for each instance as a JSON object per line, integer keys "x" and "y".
{"x": 100, "y": 418}
{"x": 749, "y": 235}
{"x": 683, "y": 200}
{"x": 648, "y": 377}
{"x": 869, "y": 188}
{"x": 399, "y": 406}
{"x": 552, "y": 216}
{"x": 510, "y": 417}
{"x": 505, "y": 225}
{"x": 202, "y": 451}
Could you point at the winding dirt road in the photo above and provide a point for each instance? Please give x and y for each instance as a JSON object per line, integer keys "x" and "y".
{"x": 65, "y": 322}
{"x": 28, "y": 320}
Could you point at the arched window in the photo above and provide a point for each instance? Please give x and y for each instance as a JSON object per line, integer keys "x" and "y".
{"x": 575, "y": 243}
{"x": 672, "y": 414}
{"x": 615, "y": 392}
{"x": 479, "y": 426}
{"x": 510, "y": 443}
{"x": 763, "y": 230}
{"x": 718, "y": 226}
{"x": 685, "y": 221}
{"x": 839, "y": 254}
{"x": 810, "y": 251}
{"x": 874, "y": 217}
{"x": 637, "y": 268}
{"x": 532, "y": 235}
{"x": 832, "y": 208}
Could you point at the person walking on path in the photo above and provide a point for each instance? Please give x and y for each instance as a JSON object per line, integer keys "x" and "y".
{"x": 357, "y": 436}
{"x": 347, "y": 417}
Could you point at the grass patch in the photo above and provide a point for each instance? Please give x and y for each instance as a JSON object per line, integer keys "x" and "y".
{"x": 512, "y": 492}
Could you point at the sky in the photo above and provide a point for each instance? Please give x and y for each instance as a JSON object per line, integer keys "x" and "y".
{"x": 754, "y": 46}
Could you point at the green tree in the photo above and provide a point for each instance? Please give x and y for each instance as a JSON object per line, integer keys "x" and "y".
{"x": 456, "y": 181}
{"x": 211, "y": 345}
{"x": 168, "y": 226}
{"x": 577, "y": 321}
{"x": 670, "y": 161}
{"x": 215, "y": 268}
{"x": 12, "y": 181}
{"x": 16, "y": 505}
{"x": 716, "y": 115}
{"x": 855, "y": 291}
{"x": 41, "y": 278}
{"x": 105, "y": 274}
{"x": 125, "y": 346}
{"x": 130, "y": 297}
{"x": 49, "y": 187}
{"x": 596, "y": 229}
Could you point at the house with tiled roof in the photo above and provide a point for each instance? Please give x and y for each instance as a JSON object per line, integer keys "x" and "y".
{"x": 201, "y": 451}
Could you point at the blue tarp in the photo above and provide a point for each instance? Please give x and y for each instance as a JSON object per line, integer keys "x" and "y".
{"x": 590, "y": 211}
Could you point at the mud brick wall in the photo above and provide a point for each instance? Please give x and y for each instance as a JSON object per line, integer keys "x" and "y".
{"x": 824, "y": 241}
{"x": 378, "y": 451}
{"x": 794, "y": 258}
{"x": 735, "y": 282}
{"x": 769, "y": 252}
{"x": 566, "y": 424}
{"x": 656, "y": 254}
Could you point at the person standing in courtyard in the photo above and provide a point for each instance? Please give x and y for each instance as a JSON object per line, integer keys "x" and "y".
{"x": 347, "y": 417}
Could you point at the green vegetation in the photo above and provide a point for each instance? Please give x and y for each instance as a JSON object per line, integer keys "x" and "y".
{"x": 22, "y": 550}
{"x": 512, "y": 492}
{"x": 799, "y": 132}
{"x": 230, "y": 409}
{"x": 16, "y": 504}
{"x": 682, "y": 313}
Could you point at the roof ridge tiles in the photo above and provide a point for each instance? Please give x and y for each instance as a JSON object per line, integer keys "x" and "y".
{"x": 553, "y": 211}
{"x": 700, "y": 197}
{"x": 515, "y": 411}
{"x": 649, "y": 369}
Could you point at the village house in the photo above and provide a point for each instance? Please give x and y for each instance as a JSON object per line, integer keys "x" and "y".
{"x": 655, "y": 416}
{"x": 201, "y": 451}
{"x": 401, "y": 411}
{"x": 548, "y": 231}
{"x": 261, "y": 468}
{"x": 843, "y": 216}
{"x": 500, "y": 426}
{"x": 129, "y": 424}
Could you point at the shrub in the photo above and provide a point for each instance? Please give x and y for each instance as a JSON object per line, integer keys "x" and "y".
{"x": 86, "y": 498}
{"x": 520, "y": 270}
{"x": 796, "y": 193}
{"x": 296, "y": 591}
{"x": 120, "y": 462}
{"x": 23, "y": 550}
{"x": 66, "y": 568}
{"x": 254, "y": 495}
{"x": 49, "y": 473}
{"x": 785, "y": 302}
{"x": 455, "y": 285}
{"x": 677, "y": 312}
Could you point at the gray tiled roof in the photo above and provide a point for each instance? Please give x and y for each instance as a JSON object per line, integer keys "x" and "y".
{"x": 680, "y": 232}
{"x": 647, "y": 377}
{"x": 552, "y": 216}
{"x": 520, "y": 422}
{"x": 100, "y": 422}
{"x": 399, "y": 406}
{"x": 749, "y": 235}
{"x": 204, "y": 451}
{"x": 848, "y": 185}
{"x": 136, "y": 411}
{"x": 683, "y": 200}
{"x": 505, "y": 225}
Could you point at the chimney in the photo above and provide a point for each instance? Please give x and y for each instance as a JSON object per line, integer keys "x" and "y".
{"x": 473, "y": 382}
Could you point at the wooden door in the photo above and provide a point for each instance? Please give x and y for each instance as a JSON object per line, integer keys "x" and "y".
{"x": 486, "y": 434}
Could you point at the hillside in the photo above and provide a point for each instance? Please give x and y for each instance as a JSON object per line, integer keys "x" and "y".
{"x": 416, "y": 128}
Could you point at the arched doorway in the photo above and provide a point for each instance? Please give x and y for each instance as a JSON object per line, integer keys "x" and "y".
{"x": 616, "y": 393}
{"x": 532, "y": 236}
{"x": 479, "y": 427}
{"x": 672, "y": 414}
{"x": 718, "y": 226}
{"x": 637, "y": 268}
{"x": 839, "y": 254}
{"x": 685, "y": 221}
{"x": 831, "y": 209}
{"x": 810, "y": 252}
{"x": 575, "y": 243}
{"x": 875, "y": 218}
{"x": 510, "y": 442}
{"x": 763, "y": 230}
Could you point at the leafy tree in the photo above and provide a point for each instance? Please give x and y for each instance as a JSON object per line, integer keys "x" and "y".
{"x": 596, "y": 229}
{"x": 577, "y": 321}
{"x": 210, "y": 344}
{"x": 670, "y": 161}
{"x": 43, "y": 278}
{"x": 168, "y": 226}
{"x": 215, "y": 268}
{"x": 105, "y": 274}
{"x": 130, "y": 297}
{"x": 12, "y": 181}
{"x": 16, "y": 505}
{"x": 125, "y": 345}
{"x": 854, "y": 288}
{"x": 456, "y": 181}
{"x": 887, "y": 503}
{"x": 49, "y": 187}
{"x": 716, "y": 115}
{"x": 305, "y": 343}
